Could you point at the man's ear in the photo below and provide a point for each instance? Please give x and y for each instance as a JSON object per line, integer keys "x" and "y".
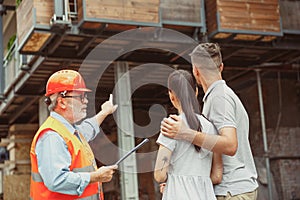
{"x": 221, "y": 67}
{"x": 195, "y": 71}
{"x": 61, "y": 103}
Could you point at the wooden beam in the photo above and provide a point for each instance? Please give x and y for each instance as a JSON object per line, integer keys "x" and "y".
{"x": 19, "y": 112}
{"x": 19, "y": 140}
{"x": 55, "y": 44}
{"x": 22, "y": 128}
{"x": 87, "y": 42}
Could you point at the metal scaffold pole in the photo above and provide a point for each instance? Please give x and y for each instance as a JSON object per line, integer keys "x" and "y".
{"x": 126, "y": 141}
{"x": 264, "y": 133}
{"x": 2, "y": 11}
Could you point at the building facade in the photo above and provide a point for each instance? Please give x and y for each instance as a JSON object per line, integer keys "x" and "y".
{"x": 128, "y": 47}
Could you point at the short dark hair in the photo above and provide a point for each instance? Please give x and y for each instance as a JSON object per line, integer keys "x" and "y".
{"x": 205, "y": 53}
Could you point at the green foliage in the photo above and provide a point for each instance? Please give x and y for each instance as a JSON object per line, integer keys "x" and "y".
{"x": 10, "y": 43}
{"x": 18, "y": 2}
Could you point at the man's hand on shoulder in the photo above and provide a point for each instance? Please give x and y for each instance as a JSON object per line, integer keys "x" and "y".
{"x": 174, "y": 127}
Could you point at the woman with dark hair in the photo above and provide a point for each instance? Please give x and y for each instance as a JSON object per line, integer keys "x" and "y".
{"x": 188, "y": 170}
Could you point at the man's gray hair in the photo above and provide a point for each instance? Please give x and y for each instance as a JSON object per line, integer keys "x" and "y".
{"x": 53, "y": 101}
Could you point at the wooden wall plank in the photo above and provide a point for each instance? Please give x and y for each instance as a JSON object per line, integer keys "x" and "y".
{"x": 24, "y": 11}
{"x": 289, "y": 11}
{"x": 249, "y": 15}
{"x": 259, "y": 16}
{"x": 44, "y": 11}
{"x": 211, "y": 15}
{"x": 181, "y": 10}
{"x": 80, "y": 10}
{"x": 129, "y": 10}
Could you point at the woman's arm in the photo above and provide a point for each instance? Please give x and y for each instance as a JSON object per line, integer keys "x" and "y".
{"x": 162, "y": 164}
{"x": 216, "y": 173}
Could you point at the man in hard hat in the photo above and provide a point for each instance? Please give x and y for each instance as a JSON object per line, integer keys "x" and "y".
{"x": 62, "y": 163}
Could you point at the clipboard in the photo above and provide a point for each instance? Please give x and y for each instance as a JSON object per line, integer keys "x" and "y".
{"x": 131, "y": 151}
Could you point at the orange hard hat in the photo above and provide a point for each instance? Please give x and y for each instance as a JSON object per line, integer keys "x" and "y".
{"x": 65, "y": 80}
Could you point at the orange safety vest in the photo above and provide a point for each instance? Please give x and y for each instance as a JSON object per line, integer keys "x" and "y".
{"x": 82, "y": 161}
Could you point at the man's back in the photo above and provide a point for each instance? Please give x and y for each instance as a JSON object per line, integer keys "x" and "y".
{"x": 224, "y": 109}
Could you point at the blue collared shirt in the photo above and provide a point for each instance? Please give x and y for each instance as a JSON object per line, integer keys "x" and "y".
{"x": 54, "y": 159}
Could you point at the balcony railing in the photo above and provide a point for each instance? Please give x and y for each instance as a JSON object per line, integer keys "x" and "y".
{"x": 11, "y": 66}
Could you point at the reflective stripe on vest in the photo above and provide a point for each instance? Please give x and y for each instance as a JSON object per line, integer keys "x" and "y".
{"x": 81, "y": 155}
{"x": 38, "y": 178}
{"x": 84, "y": 169}
{"x": 94, "y": 197}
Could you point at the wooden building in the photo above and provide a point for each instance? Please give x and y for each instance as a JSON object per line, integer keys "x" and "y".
{"x": 128, "y": 47}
